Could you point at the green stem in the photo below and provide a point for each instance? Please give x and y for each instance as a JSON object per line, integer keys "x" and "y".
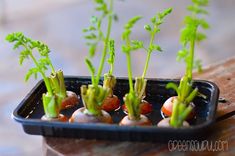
{"x": 140, "y": 87}
{"x": 101, "y": 35}
{"x": 93, "y": 79}
{"x": 148, "y": 55}
{"x": 132, "y": 103}
{"x": 50, "y": 106}
{"x": 92, "y": 100}
{"x": 185, "y": 114}
{"x": 191, "y": 57}
{"x": 46, "y": 80}
{"x": 129, "y": 72}
{"x": 62, "y": 83}
{"x": 109, "y": 83}
{"x": 174, "y": 116}
{"x": 111, "y": 69}
{"x": 146, "y": 64}
{"x": 182, "y": 107}
{"x": 52, "y": 67}
{"x": 104, "y": 53}
{"x": 57, "y": 81}
{"x": 191, "y": 96}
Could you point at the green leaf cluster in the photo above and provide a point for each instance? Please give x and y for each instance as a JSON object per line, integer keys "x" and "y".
{"x": 156, "y": 21}
{"x": 126, "y": 34}
{"x": 55, "y": 86}
{"x": 102, "y": 7}
{"x": 153, "y": 28}
{"x": 28, "y": 46}
{"x": 94, "y": 33}
{"x": 191, "y": 33}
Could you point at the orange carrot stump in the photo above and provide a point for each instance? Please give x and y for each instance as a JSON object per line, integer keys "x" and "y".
{"x": 166, "y": 123}
{"x": 111, "y": 103}
{"x": 67, "y": 99}
{"x": 179, "y": 114}
{"x": 70, "y": 100}
{"x": 92, "y": 97}
{"x": 145, "y": 107}
{"x": 60, "y": 118}
{"x": 134, "y": 118}
{"x": 167, "y": 108}
{"x": 142, "y": 121}
{"x": 83, "y": 116}
{"x": 140, "y": 86}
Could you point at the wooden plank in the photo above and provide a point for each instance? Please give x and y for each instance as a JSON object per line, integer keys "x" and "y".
{"x": 223, "y": 75}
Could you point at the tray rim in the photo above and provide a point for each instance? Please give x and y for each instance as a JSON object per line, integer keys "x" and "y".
{"x": 115, "y": 127}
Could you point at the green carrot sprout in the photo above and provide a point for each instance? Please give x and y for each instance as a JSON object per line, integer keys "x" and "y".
{"x": 55, "y": 86}
{"x": 131, "y": 99}
{"x": 153, "y": 29}
{"x": 94, "y": 94}
{"x": 136, "y": 94}
{"x": 189, "y": 36}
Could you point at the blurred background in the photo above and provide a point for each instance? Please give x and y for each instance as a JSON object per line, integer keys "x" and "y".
{"x": 59, "y": 24}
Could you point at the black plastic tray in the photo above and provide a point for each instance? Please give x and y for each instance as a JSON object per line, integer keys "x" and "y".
{"x": 30, "y": 110}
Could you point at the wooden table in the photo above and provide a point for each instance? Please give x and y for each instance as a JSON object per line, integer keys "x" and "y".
{"x": 223, "y": 74}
